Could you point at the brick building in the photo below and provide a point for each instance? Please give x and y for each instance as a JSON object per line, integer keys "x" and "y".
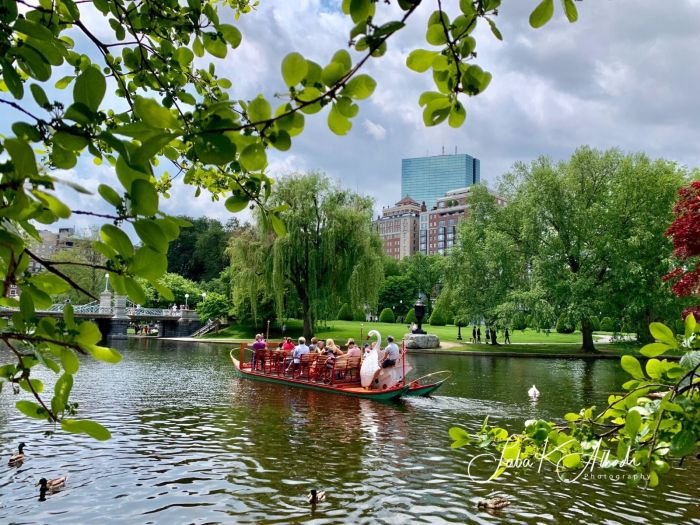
{"x": 398, "y": 228}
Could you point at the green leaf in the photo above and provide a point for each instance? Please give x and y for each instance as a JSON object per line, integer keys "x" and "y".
{"x": 64, "y": 82}
{"x": 294, "y": 69}
{"x": 654, "y": 368}
{"x": 63, "y": 158}
{"x": 214, "y": 45}
{"x": 570, "y": 10}
{"x": 184, "y": 56}
{"x": 435, "y": 35}
{"x": 332, "y": 73}
{"x": 70, "y": 141}
{"x": 236, "y": 203}
{"x": 39, "y": 95}
{"x": 153, "y": 114}
{"x": 253, "y": 157}
{"x": 117, "y": 239}
{"x": 571, "y": 460}
{"x": 278, "y": 225}
{"x": 690, "y": 359}
{"x": 337, "y": 122}
{"x": 36, "y": 384}
{"x": 50, "y": 283}
{"x": 102, "y": 353}
{"x": 214, "y": 148}
{"x": 31, "y": 409}
{"x": 343, "y": 57}
{"x": 198, "y": 47}
{"x": 420, "y": 60}
{"x": 89, "y": 88}
{"x": 654, "y": 349}
{"x": 281, "y": 140}
{"x": 572, "y": 417}
{"x": 360, "y": 9}
{"x": 690, "y": 325}
{"x": 69, "y": 360}
{"x": 494, "y": 29}
{"x": 149, "y": 263}
{"x": 88, "y": 333}
{"x": 134, "y": 291}
{"x": 683, "y": 443}
{"x": 360, "y": 87}
{"x": 152, "y": 235}
{"x": 110, "y": 195}
{"x": 144, "y": 198}
{"x": 22, "y": 157}
{"x": 631, "y": 365}
{"x": 259, "y": 109}
{"x": 633, "y": 421}
{"x": 663, "y": 333}
{"x": 457, "y": 115}
{"x": 231, "y": 34}
{"x": 542, "y": 13}
{"x": 26, "y": 306}
{"x": 436, "y": 111}
{"x": 86, "y": 426}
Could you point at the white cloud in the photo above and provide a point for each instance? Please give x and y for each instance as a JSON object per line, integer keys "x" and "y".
{"x": 376, "y": 131}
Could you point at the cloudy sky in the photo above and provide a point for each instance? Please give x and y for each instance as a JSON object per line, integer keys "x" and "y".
{"x": 625, "y": 75}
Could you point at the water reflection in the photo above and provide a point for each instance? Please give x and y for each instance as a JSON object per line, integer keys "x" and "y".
{"x": 191, "y": 443}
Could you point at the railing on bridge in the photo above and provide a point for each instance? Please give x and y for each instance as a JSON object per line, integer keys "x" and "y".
{"x": 136, "y": 310}
{"x": 89, "y": 308}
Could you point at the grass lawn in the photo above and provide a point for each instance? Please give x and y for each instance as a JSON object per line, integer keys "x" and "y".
{"x": 340, "y": 331}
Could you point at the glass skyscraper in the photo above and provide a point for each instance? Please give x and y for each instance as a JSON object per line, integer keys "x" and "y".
{"x": 425, "y": 179}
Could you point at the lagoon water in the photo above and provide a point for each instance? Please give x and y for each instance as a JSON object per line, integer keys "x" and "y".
{"x": 193, "y": 444}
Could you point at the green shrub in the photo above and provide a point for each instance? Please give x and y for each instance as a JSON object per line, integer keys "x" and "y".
{"x": 440, "y": 317}
{"x": 519, "y": 322}
{"x": 387, "y": 316}
{"x": 410, "y": 316}
{"x": 564, "y": 326}
{"x": 595, "y": 321}
{"x": 607, "y": 325}
{"x": 345, "y": 313}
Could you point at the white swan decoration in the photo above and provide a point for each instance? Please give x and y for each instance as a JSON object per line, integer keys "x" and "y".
{"x": 370, "y": 364}
{"x": 533, "y": 392}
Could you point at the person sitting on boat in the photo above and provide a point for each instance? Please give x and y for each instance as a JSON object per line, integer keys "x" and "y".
{"x": 330, "y": 345}
{"x": 287, "y": 346}
{"x": 299, "y": 351}
{"x": 353, "y": 349}
{"x": 313, "y": 345}
{"x": 259, "y": 347}
{"x": 391, "y": 353}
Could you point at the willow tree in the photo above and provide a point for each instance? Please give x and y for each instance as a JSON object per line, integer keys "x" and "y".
{"x": 329, "y": 256}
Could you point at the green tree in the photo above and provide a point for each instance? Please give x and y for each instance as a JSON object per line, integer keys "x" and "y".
{"x": 330, "y": 251}
{"x": 410, "y": 317}
{"x": 564, "y": 326}
{"x": 387, "y": 316}
{"x": 596, "y": 228}
{"x": 179, "y": 286}
{"x": 214, "y": 306}
{"x": 426, "y": 272}
{"x": 397, "y": 292}
{"x": 442, "y": 313}
{"x": 198, "y": 253}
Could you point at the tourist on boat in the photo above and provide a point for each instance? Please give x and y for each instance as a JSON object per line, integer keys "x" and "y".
{"x": 313, "y": 345}
{"x": 299, "y": 351}
{"x": 259, "y": 347}
{"x": 391, "y": 353}
{"x": 321, "y": 347}
{"x": 367, "y": 349}
{"x": 353, "y": 349}
{"x": 330, "y": 345}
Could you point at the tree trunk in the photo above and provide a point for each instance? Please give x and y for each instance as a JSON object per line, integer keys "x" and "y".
{"x": 643, "y": 333}
{"x": 587, "y": 332}
{"x": 306, "y": 313}
{"x": 493, "y": 337}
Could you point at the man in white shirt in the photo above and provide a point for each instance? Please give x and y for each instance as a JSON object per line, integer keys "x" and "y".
{"x": 391, "y": 353}
{"x": 299, "y": 350}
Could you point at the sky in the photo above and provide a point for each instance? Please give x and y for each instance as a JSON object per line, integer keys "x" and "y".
{"x": 625, "y": 75}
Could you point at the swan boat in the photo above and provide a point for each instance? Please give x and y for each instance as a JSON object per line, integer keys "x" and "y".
{"x": 353, "y": 377}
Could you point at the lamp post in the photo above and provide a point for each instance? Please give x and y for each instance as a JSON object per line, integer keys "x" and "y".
{"x": 204, "y": 296}
{"x": 106, "y": 282}
{"x": 187, "y": 296}
{"x": 459, "y": 331}
{"x": 419, "y": 308}
{"x": 362, "y": 330}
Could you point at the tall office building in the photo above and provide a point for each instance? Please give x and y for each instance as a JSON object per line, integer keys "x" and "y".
{"x": 426, "y": 179}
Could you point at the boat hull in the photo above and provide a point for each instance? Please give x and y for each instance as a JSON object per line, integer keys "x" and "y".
{"x": 345, "y": 390}
{"x": 422, "y": 390}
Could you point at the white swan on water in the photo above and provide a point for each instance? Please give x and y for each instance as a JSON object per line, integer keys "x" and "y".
{"x": 370, "y": 364}
{"x": 533, "y": 392}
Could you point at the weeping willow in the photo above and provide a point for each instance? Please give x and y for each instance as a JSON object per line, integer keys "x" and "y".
{"x": 329, "y": 256}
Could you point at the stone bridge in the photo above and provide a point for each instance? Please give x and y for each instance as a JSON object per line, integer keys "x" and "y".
{"x": 114, "y": 313}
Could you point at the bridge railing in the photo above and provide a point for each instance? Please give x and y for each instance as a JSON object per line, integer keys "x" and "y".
{"x": 89, "y": 308}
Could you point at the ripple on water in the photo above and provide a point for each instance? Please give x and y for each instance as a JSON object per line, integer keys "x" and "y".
{"x": 193, "y": 444}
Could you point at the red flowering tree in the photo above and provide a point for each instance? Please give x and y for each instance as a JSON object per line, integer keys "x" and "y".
{"x": 685, "y": 233}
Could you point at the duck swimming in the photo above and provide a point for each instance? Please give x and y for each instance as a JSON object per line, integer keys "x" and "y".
{"x": 17, "y": 459}
{"x": 315, "y": 497}
{"x": 493, "y": 503}
{"x": 52, "y": 485}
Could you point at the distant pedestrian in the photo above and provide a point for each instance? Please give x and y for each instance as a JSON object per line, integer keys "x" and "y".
{"x": 474, "y": 334}
{"x": 284, "y": 330}
{"x": 478, "y": 334}
{"x": 506, "y": 336}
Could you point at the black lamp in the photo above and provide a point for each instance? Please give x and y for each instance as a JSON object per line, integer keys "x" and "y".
{"x": 419, "y": 308}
